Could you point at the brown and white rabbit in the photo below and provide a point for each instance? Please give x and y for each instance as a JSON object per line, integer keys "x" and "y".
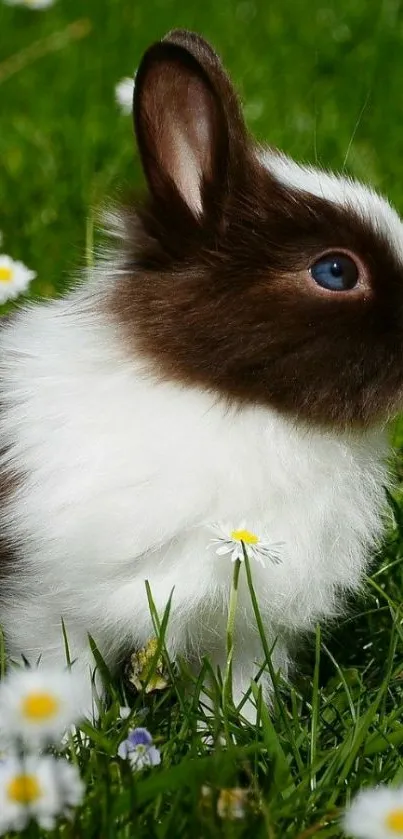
{"x": 236, "y": 358}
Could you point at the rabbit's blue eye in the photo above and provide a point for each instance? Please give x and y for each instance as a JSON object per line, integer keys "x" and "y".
{"x": 335, "y": 271}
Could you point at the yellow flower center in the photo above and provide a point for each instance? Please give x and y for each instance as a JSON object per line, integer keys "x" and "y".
{"x": 24, "y": 789}
{"x": 6, "y": 274}
{"x": 244, "y": 536}
{"x": 38, "y": 707}
{"x": 394, "y": 821}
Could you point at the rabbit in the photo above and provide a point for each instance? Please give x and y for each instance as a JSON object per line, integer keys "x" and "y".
{"x": 234, "y": 356}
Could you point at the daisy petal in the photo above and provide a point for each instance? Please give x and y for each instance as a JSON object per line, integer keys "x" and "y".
{"x": 224, "y": 549}
{"x": 42, "y": 788}
{"x": 35, "y": 5}
{"x": 376, "y": 813}
{"x": 15, "y": 278}
{"x": 38, "y": 705}
{"x": 234, "y": 540}
{"x": 124, "y": 91}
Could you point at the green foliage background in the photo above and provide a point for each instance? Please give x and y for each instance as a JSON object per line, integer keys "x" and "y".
{"x": 308, "y": 73}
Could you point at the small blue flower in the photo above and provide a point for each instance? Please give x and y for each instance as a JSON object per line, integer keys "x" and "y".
{"x": 139, "y": 750}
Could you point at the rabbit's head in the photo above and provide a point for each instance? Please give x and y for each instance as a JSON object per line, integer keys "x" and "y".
{"x": 244, "y": 273}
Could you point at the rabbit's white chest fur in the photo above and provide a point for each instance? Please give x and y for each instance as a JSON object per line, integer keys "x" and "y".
{"x": 123, "y": 477}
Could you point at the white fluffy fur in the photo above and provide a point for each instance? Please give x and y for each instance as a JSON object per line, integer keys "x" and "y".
{"x": 124, "y": 477}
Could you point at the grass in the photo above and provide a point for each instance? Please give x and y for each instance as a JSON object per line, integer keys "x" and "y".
{"x": 324, "y": 82}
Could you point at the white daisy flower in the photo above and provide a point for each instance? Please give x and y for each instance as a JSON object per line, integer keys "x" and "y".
{"x": 15, "y": 278}
{"x": 376, "y": 813}
{"x": 37, "y": 706}
{"x": 40, "y": 788}
{"x": 229, "y": 541}
{"x": 124, "y": 91}
{"x": 31, "y": 4}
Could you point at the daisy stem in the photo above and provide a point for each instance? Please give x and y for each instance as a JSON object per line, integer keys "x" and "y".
{"x": 256, "y": 609}
{"x": 233, "y": 599}
{"x": 269, "y": 663}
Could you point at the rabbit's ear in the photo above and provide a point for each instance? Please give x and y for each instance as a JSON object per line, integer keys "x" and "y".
{"x": 189, "y": 127}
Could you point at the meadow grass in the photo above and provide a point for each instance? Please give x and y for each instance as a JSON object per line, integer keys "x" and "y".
{"x": 324, "y": 82}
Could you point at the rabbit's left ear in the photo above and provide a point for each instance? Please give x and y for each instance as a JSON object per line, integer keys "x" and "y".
{"x": 189, "y": 127}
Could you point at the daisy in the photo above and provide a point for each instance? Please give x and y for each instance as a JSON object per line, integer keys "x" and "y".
{"x": 37, "y": 706}
{"x": 124, "y": 91}
{"x": 139, "y": 750}
{"x": 376, "y": 813}
{"x": 40, "y": 788}
{"x": 15, "y": 278}
{"x": 31, "y": 4}
{"x": 230, "y": 541}
{"x": 231, "y": 803}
